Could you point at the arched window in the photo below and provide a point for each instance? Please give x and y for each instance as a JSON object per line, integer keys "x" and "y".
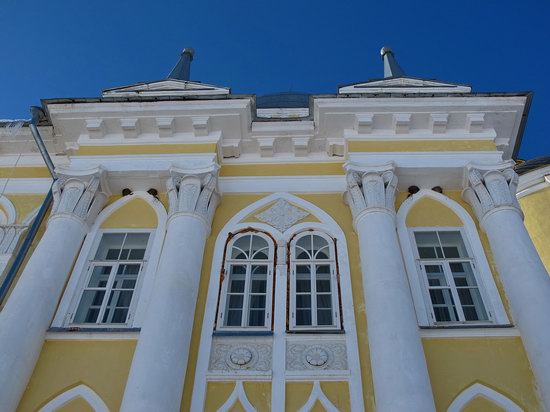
{"x": 314, "y": 289}
{"x": 247, "y": 282}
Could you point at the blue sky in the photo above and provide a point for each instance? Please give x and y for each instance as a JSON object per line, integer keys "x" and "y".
{"x": 64, "y": 48}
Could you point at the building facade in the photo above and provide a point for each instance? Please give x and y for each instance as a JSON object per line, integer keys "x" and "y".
{"x": 180, "y": 247}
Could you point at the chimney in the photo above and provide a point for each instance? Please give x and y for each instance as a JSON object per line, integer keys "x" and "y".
{"x": 182, "y": 70}
{"x": 391, "y": 67}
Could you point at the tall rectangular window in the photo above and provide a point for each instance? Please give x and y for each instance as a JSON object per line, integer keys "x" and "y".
{"x": 112, "y": 279}
{"x": 450, "y": 278}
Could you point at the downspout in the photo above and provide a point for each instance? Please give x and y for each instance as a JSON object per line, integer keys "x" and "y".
{"x": 36, "y": 112}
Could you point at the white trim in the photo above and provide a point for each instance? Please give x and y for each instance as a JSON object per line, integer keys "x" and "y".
{"x": 477, "y": 389}
{"x": 143, "y": 292}
{"x": 26, "y": 185}
{"x": 493, "y": 301}
{"x": 533, "y": 181}
{"x": 441, "y": 333}
{"x": 269, "y": 184}
{"x": 238, "y": 394}
{"x": 91, "y": 335}
{"x": 82, "y": 391}
{"x": 327, "y": 225}
{"x": 9, "y": 211}
{"x": 317, "y": 394}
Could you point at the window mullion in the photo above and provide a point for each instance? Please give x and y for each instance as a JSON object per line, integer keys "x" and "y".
{"x": 246, "y": 294}
{"x": 313, "y": 270}
{"x": 454, "y": 291}
{"x": 114, "y": 269}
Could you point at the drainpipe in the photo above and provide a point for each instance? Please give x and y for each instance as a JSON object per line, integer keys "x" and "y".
{"x": 36, "y": 112}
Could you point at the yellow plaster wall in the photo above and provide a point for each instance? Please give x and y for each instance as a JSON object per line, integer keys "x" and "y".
{"x": 536, "y": 208}
{"x": 420, "y": 145}
{"x": 25, "y": 204}
{"x": 76, "y": 405}
{"x": 338, "y": 394}
{"x": 499, "y": 363}
{"x": 480, "y": 404}
{"x": 24, "y": 172}
{"x": 101, "y": 365}
{"x": 283, "y": 169}
{"x": 259, "y": 394}
{"x": 429, "y": 212}
{"x": 136, "y": 213}
{"x": 145, "y": 149}
{"x": 216, "y": 395}
{"x": 296, "y": 395}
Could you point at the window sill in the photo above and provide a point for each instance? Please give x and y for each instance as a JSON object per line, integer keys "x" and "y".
{"x": 468, "y": 326}
{"x": 92, "y": 334}
{"x": 468, "y": 331}
{"x": 242, "y": 333}
{"x": 316, "y": 332}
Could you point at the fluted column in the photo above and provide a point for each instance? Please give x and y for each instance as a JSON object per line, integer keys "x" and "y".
{"x": 31, "y": 306}
{"x": 159, "y": 365}
{"x": 400, "y": 374}
{"x": 492, "y": 194}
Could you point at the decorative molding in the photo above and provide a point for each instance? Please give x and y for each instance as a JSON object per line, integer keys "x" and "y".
{"x": 194, "y": 193}
{"x": 491, "y": 189}
{"x": 315, "y": 356}
{"x": 79, "y": 193}
{"x": 317, "y": 394}
{"x": 9, "y": 237}
{"x": 231, "y": 356}
{"x": 238, "y": 395}
{"x": 477, "y": 389}
{"x": 282, "y": 215}
{"x": 80, "y": 391}
{"x": 370, "y": 188}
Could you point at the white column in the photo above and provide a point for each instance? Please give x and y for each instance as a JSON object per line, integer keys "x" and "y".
{"x": 31, "y": 306}
{"x": 399, "y": 371}
{"x": 159, "y": 365}
{"x": 492, "y": 194}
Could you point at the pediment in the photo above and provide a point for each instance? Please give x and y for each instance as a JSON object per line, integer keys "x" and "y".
{"x": 404, "y": 85}
{"x": 168, "y": 87}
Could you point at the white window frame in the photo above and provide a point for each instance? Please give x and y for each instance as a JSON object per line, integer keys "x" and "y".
{"x": 270, "y": 263}
{"x": 444, "y": 262}
{"x": 87, "y": 272}
{"x": 335, "y": 285}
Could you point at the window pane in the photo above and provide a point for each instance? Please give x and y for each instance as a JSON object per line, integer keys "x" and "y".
{"x": 237, "y": 279}
{"x": 233, "y": 318}
{"x": 320, "y": 247}
{"x": 303, "y": 301}
{"x": 256, "y": 318}
{"x": 303, "y": 278}
{"x": 303, "y": 285}
{"x": 436, "y": 276}
{"x": 99, "y": 277}
{"x": 428, "y": 245}
{"x": 257, "y": 301}
{"x": 258, "y": 286}
{"x": 324, "y": 301}
{"x": 303, "y": 317}
{"x": 235, "y": 301}
{"x": 259, "y": 248}
{"x": 89, "y": 306}
{"x": 241, "y": 247}
{"x": 303, "y": 248}
{"x": 323, "y": 285}
{"x": 463, "y": 274}
{"x": 109, "y": 246}
{"x": 453, "y": 245}
{"x": 324, "y": 317}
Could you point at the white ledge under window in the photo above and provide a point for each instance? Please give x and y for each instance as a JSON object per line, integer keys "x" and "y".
{"x": 468, "y": 331}
{"x": 92, "y": 334}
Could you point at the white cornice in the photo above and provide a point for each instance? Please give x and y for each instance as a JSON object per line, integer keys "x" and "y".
{"x": 533, "y": 181}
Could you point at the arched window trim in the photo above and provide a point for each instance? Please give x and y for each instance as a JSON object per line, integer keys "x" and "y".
{"x": 478, "y": 389}
{"x": 471, "y": 238}
{"x": 80, "y": 391}
{"x": 336, "y": 292}
{"x": 326, "y": 223}
{"x": 79, "y": 274}
{"x": 223, "y": 284}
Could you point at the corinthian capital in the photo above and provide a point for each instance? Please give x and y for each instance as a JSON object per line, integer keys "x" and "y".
{"x": 81, "y": 194}
{"x": 196, "y": 193}
{"x": 489, "y": 190}
{"x": 370, "y": 189}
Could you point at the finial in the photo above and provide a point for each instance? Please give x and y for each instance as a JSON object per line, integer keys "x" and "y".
{"x": 182, "y": 70}
{"x": 391, "y": 67}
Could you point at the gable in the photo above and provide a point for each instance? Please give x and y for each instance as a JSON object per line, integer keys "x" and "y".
{"x": 404, "y": 85}
{"x": 168, "y": 87}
